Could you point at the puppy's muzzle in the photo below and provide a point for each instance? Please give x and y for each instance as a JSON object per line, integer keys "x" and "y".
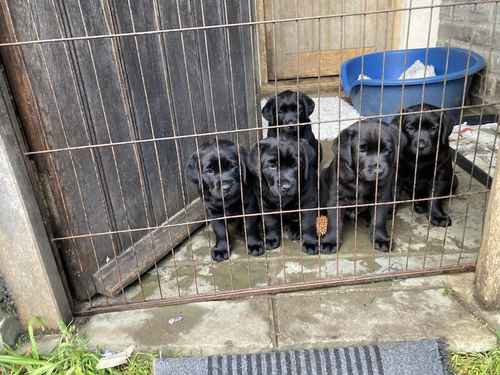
{"x": 226, "y": 188}
{"x": 285, "y": 188}
{"x": 422, "y": 145}
{"x": 375, "y": 171}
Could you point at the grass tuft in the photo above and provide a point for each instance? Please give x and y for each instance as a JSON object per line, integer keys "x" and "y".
{"x": 476, "y": 363}
{"x": 71, "y": 356}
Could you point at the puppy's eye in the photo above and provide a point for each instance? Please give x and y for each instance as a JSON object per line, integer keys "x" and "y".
{"x": 273, "y": 165}
{"x": 363, "y": 148}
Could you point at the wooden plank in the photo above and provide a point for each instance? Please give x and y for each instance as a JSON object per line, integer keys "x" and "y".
{"x": 141, "y": 256}
{"x": 293, "y": 47}
{"x": 330, "y": 62}
{"x": 53, "y": 85}
{"x": 309, "y": 86}
{"x": 262, "y": 43}
{"x": 99, "y": 78}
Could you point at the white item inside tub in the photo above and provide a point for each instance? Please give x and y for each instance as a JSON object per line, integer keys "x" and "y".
{"x": 362, "y": 77}
{"x": 327, "y": 110}
{"x": 418, "y": 70}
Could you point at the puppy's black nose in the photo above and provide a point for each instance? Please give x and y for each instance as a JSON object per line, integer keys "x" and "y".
{"x": 422, "y": 144}
{"x": 285, "y": 187}
{"x": 290, "y": 121}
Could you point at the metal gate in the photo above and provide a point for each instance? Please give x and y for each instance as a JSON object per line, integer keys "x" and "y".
{"x": 115, "y": 96}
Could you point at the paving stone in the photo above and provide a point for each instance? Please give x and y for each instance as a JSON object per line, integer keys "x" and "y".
{"x": 463, "y": 287}
{"x": 203, "y": 329}
{"x": 369, "y": 316}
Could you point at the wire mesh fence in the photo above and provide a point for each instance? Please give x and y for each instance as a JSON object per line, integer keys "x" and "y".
{"x": 187, "y": 151}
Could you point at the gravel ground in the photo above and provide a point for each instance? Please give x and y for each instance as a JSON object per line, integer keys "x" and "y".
{"x": 6, "y": 302}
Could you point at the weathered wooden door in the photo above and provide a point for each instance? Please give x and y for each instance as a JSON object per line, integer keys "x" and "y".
{"x": 102, "y": 116}
{"x": 308, "y": 48}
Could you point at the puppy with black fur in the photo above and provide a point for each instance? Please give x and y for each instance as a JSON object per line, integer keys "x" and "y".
{"x": 288, "y": 177}
{"x": 361, "y": 172}
{"x": 220, "y": 174}
{"x": 427, "y": 150}
{"x": 290, "y": 108}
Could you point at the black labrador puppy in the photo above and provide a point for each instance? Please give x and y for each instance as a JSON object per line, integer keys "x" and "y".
{"x": 278, "y": 163}
{"x": 361, "y": 161}
{"x": 218, "y": 173}
{"x": 428, "y": 149}
{"x": 291, "y": 108}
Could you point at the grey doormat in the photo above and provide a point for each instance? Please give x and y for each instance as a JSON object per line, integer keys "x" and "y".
{"x": 424, "y": 357}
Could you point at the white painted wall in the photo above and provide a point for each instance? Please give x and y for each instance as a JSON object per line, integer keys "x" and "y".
{"x": 420, "y": 21}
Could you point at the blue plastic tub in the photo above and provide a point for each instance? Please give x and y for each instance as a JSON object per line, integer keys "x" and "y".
{"x": 366, "y": 94}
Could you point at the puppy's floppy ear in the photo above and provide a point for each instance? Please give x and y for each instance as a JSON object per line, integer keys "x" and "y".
{"x": 269, "y": 110}
{"x": 192, "y": 168}
{"x": 253, "y": 160}
{"x": 446, "y": 127}
{"x": 308, "y": 153}
{"x": 347, "y": 142}
{"x": 243, "y": 163}
{"x": 307, "y": 102}
{"x": 399, "y": 141}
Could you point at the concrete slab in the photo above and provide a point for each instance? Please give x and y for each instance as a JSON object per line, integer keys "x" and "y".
{"x": 368, "y": 316}
{"x": 463, "y": 287}
{"x": 195, "y": 329}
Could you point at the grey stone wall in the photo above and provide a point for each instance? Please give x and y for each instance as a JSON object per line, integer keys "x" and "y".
{"x": 474, "y": 26}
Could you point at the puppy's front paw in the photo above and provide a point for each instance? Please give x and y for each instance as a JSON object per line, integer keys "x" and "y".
{"x": 421, "y": 207}
{"x": 220, "y": 254}
{"x": 381, "y": 241}
{"x": 441, "y": 221}
{"x": 382, "y": 245}
{"x": 310, "y": 247}
{"x": 294, "y": 234}
{"x": 255, "y": 248}
{"x": 329, "y": 247}
{"x": 272, "y": 242}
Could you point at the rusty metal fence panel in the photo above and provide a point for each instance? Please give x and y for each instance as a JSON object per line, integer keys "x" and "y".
{"x": 115, "y": 96}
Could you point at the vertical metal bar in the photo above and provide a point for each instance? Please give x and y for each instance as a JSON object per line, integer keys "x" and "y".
{"x": 419, "y": 132}
{"x": 231, "y": 77}
{"x": 259, "y": 135}
{"x": 275, "y": 54}
{"x": 356, "y": 211}
{"x": 378, "y": 145}
{"x": 168, "y": 90}
{"x": 216, "y": 140}
{"x": 150, "y": 120}
{"x": 318, "y": 150}
{"x": 338, "y": 208}
{"x": 297, "y": 127}
{"x": 405, "y": 60}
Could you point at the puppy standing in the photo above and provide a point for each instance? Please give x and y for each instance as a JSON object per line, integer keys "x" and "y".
{"x": 216, "y": 183}
{"x": 364, "y": 164}
{"x": 291, "y": 108}
{"x": 427, "y": 135}
{"x": 279, "y": 163}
